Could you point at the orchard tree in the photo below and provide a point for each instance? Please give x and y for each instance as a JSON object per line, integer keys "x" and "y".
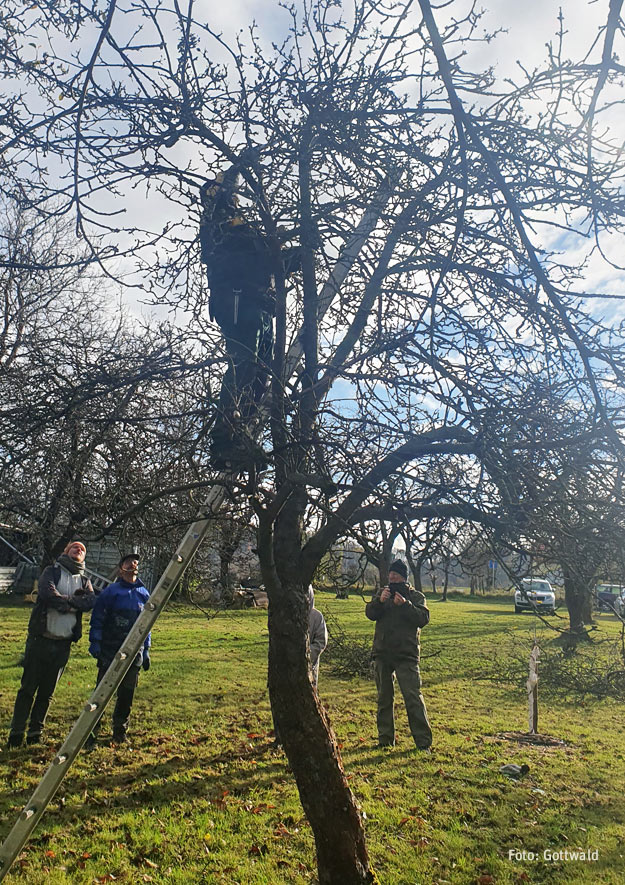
{"x": 99, "y": 413}
{"x": 424, "y": 196}
{"x": 560, "y": 505}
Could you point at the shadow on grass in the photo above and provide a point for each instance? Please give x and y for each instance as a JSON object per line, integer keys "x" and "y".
{"x": 208, "y": 784}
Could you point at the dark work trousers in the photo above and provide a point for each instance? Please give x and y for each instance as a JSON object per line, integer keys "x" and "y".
{"x": 249, "y": 347}
{"x": 44, "y": 662}
{"x": 409, "y": 678}
{"x": 123, "y": 703}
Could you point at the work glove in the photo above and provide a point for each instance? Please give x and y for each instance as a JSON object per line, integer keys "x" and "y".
{"x": 146, "y": 661}
{"x": 94, "y": 650}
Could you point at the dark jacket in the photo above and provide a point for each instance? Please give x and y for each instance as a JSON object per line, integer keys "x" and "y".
{"x": 236, "y": 256}
{"x": 238, "y": 259}
{"x": 397, "y": 627}
{"x": 48, "y": 597}
{"x": 117, "y": 608}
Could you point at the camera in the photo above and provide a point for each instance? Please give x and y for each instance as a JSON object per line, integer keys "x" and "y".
{"x": 402, "y": 589}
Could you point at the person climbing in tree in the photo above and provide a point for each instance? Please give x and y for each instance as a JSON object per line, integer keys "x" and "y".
{"x": 240, "y": 271}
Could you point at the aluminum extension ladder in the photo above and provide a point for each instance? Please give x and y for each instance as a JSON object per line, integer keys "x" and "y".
{"x": 187, "y": 548}
{"x": 94, "y": 707}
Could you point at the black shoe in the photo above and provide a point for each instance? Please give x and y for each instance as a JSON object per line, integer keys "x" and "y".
{"x": 119, "y": 737}
{"x": 90, "y": 744}
{"x": 425, "y": 748}
{"x": 33, "y": 739}
{"x": 14, "y": 741}
{"x": 386, "y": 744}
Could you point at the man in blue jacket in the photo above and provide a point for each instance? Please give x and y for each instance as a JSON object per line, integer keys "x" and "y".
{"x": 115, "y": 611}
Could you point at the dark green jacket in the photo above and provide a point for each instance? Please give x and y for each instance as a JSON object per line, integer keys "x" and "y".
{"x": 397, "y": 627}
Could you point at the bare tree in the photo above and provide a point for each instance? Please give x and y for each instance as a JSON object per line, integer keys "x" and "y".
{"x": 98, "y": 414}
{"x": 429, "y": 304}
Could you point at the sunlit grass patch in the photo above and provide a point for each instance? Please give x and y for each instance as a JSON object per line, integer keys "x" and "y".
{"x": 202, "y": 795}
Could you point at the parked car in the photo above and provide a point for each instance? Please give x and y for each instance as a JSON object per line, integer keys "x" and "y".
{"x": 535, "y": 594}
{"x": 609, "y": 598}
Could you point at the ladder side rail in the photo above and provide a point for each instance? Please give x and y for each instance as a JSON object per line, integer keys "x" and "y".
{"x": 95, "y": 706}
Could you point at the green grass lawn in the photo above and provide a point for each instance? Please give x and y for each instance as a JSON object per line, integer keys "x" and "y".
{"x": 202, "y": 796}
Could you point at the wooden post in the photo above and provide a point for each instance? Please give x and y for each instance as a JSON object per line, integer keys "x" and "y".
{"x": 532, "y": 689}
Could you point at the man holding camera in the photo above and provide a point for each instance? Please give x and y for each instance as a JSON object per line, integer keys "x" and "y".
{"x": 399, "y": 613}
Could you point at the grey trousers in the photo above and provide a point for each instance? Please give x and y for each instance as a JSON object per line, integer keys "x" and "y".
{"x": 409, "y": 678}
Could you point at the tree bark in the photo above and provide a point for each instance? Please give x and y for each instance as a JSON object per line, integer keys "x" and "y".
{"x": 587, "y": 608}
{"x": 301, "y": 722}
{"x": 311, "y": 748}
{"x": 575, "y": 599}
{"x": 445, "y": 581}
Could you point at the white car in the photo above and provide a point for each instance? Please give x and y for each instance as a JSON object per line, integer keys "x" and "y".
{"x": 536, "y": 595}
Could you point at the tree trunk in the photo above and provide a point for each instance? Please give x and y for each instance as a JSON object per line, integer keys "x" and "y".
{"x": 576, "y": 599}
{"x": 311, "y": 748}
{"x": 414, "y": 566}
{"x": 587, "y": 608}
{"x": 445, "y": 584}
{"x": 302, "y": 723}
{"x": 433, "y": 578}
{"x": 225, "y": 560}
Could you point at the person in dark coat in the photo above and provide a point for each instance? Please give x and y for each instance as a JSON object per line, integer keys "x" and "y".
{"x": 117, "y": 608}
{"x": 239, "y": 269}
{"x": 55, "y": 623}
{"x": 399, "y": 613}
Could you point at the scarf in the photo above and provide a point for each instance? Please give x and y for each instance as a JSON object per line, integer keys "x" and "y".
{"x": 74, "y": 568}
